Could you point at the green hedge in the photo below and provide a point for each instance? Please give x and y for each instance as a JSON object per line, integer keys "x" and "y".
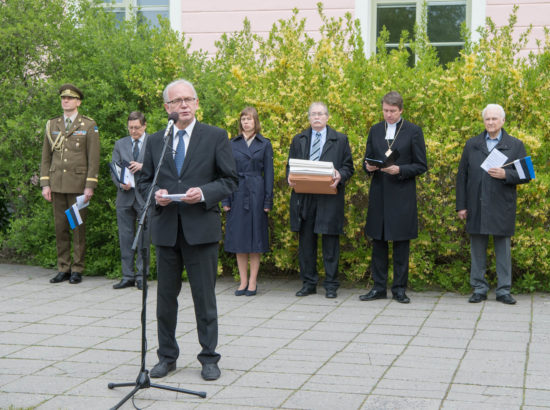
{"x": 123, "y": 66}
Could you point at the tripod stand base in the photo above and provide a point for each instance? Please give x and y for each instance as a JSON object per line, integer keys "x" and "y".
{"x": 144, "y": 382}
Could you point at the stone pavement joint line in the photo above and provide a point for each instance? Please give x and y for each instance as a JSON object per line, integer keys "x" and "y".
{"x": 61, "y": 344}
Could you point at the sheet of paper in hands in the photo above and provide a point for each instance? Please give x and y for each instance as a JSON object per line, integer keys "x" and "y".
{"x": 80, "y": 202}
{"x": 174, "y": 197}
{"x": 495, "y": 159}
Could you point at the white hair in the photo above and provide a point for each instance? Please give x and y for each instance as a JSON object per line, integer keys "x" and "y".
{"x": 176, "y": 82}
{"x": 313, "y": 104}
{"x": 494, "y": 107}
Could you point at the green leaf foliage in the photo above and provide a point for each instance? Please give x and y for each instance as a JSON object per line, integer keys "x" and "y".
{"x": 124, "y": 66}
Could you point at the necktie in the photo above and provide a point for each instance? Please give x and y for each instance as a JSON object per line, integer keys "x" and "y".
{"x": 136, "y": 150}
{"x": 180, "y": 151}
{"x": 316, "y": 148}
{"x": 68, "y": 123}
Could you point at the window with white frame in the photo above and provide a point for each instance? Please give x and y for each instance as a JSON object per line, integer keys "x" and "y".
{"x": 146, "y": 10}
{"x": 444, "y": 20}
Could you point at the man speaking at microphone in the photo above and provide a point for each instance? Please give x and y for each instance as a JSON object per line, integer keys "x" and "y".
{"x": 186, "y": 231}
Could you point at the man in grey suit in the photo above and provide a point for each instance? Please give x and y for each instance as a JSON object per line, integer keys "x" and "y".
{"x": 129, "y": 202}
{"x": 199, "y": 163}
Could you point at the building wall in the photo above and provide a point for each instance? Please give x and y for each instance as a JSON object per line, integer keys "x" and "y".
{"x": 205, "y": 21}
{"x": 535, "y": 12}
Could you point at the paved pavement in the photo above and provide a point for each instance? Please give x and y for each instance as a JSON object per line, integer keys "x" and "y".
{"x": 60, "y": 345}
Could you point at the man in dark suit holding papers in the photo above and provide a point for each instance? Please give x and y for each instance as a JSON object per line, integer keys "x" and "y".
{"x": 313, "y": 214}
{"x": 487, "y": 201}
{"x": 130, "y": 150}
{"x": 392, "y": 213}
{"x": 198, "y": 162}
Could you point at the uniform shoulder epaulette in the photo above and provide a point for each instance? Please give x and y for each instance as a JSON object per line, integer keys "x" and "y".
{"x": 88, "y": 118}
{"x": 56, "y": 118}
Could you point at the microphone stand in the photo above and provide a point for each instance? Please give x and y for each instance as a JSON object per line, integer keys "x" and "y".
{"x": 143, "y": 381}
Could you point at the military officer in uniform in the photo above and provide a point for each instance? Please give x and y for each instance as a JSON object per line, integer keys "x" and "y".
{"x": 69, "y": 168}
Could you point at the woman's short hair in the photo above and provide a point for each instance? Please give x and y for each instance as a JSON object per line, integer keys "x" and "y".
{"x": 254, "y": 114}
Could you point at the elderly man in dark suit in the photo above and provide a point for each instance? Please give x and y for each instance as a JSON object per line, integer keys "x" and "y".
{"x": 314, "y": 214}
{"x": 186, "y": 231}
{"x": 392, "y": 213}
{"x": 487, "y": 200}
{"x": 129, "y": 202}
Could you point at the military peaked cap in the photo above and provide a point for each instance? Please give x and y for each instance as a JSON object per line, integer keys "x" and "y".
{"x": 69, "y": 90}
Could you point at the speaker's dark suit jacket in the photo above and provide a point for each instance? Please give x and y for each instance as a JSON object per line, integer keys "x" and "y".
{"x": 209, "y": 165}
{"x": 187, "y": 235}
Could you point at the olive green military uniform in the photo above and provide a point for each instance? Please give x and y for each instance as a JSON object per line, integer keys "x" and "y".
{"x": 70, "y": 163}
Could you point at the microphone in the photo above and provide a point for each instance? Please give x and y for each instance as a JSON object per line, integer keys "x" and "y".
{"x": 172, "y": 119}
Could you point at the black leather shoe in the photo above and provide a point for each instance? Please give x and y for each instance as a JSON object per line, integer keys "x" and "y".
{"x": 139, "y": 284}
{"x": 60, "y": 277}
{"x": 507, "y": 299}
{"x": 161, "y": 369}
{"x": 477, "y": 297}
{"x": 124, "y": 283}
{"x": 401, "y": 298}
{"x": 331, "y": 294}
{"x": 240, "y": 292}
{"x": 76, "y": 277}
{"x": 306, "y": 291}
{"x": 210, "y": 371}
{"x": 251, "y": 292}
{"x": 373, "y": 295}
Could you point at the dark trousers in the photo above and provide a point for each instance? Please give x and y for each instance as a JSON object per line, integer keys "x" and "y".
{"x": 62, "y": 202}
{"x": 127, "y": 218}
{"x": 307, "y": 252}
{"x": 400, "y": 265}
{"x": 201, "y": 264}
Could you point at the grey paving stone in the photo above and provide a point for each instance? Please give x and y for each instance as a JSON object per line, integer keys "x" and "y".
{"x": 304, "y": 399}
{"x": 492, "y": 378}
{"x": 392, "y": 330}
{"x": 340, "y": 384}
{"x": 420, "y": 375}
{"x": 276, "y": 365}
{"x": 77, "y": 402}
{"x": 485, "y": 395}
{"x": 22, "y": 366}
{"x": 379, "y": 402}
{"x": 272, "y": 380}
{"x": 22, "y": 400}
{"x": 45, "y": 352}
{"x": 374, "y": 348}
{"x": 352, "y": 370}
{"x": 364, "y": 358}
{"x": 21, "y": 338}
{"x": 537, "y": 397}
{"x": 390, "y": 339}
{"x": 250, "y": 396}
{"x": 278, "y": 351}
{"x": 42, "y": 384}
{"x": 411, "y": 388}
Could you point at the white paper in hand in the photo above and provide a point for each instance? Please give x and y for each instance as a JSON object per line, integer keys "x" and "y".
{"x": 496, "y": 159}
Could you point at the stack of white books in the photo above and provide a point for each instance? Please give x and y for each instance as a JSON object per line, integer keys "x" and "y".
{"x": 311, "y": 177}
{"x": 307, "y": 167}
